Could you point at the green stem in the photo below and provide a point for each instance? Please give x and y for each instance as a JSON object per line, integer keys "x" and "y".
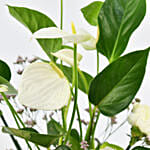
{"x": 76, "y": 92}
{"x": 12, "y": 137}
{"x": 86, "y": 88}
{"x": 80, "y": 124}
{"x": 61, "y": 15}
{"x": 97, "y": 62}
{"x": 14, "y": 113}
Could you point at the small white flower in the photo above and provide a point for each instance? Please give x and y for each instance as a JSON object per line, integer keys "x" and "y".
{"x": 140, "y": 117}
{"x": 66, "y": 55}
{"x": 3, "y": 88}
{"x": 83, "y": 37}
{"x": 43, "y": 86}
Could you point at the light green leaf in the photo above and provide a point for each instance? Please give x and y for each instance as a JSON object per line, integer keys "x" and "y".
{"x": 114, "y": 88}
{"x": 106, "y": 145}
{"x": 36, "y": 138}
{"x": 5, "y": 70}
{"x": 11, "y": 89}
{"x": 34, "y": 21}
{"x": 91, "y": 12}
{"x": 117, "y": 20}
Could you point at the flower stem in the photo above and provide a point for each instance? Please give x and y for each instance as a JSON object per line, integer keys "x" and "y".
{"x": 12, "y": 137}
{"x": 75, "y": 71}
{"x": 14, "y": 113}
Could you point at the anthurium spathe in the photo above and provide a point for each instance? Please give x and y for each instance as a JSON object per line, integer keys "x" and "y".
{"x": 3, "y": 88}
{"x": 66, "y": 55}
{"x": 43, "y": 86}
{"x": 83, "y": 37}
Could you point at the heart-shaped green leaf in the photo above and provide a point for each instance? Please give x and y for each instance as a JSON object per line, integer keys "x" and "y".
{"x": 34, "y": 21}
{"x": 117, "y": 21}
{"x": 140, "y": 148}
{"x": 11, "y": 89}
{"x": 5, "y": 70}
{"x": 114, "y": 88}
{"x": 91, "y": 12}
{"x": 36, "y": 138}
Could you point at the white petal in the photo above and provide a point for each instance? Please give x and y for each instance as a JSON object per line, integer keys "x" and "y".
{"x": 66, "y": 55}
{"x": 90, "y": 44}
{"x": 48, "y": 33}
{"x": 43, "y": 87}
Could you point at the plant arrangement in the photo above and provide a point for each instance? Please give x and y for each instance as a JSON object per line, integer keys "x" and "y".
{"x": 52, "y": 86}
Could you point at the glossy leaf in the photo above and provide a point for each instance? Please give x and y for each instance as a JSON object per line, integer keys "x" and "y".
{"x": 63, "y": 147}
{"x": 53, "y": 127}
{"x": 140, "y": 148}
{"x": 91, "y": 12}
{"x": 5, "y": 70}
{"x": 83, "y": 77}
{"x": 117, "y": 20}
{"x": 74, "y": 140}
{"x": 106, "y": 145}
{"x": 11, "y": 89}
{"x": 34, "y": 21}
{"x": 39, "y": 139}
{"x": 114, "y": 88}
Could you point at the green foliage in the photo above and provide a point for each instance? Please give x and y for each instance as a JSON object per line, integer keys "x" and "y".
{"x": 111, "y": 146}
{"x": 34, "y": 21}
{"x": 11, "y": 89}
{"x": 91, "y": 12}
{"x": 36, "y": 138}
{"x": 117, "y": 21}
{"x": 5, "y": 70}
{"x": 63, "y": 147}
{"x": 114, "y": 88}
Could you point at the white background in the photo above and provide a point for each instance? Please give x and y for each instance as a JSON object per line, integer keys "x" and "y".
{"x": 15, "y": 40}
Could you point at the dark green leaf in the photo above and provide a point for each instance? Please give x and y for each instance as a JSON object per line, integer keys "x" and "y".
{"x": 34, "y": 21}
{"x": 11, "y": 89}
{"x": 1, "y": 113}
{"x": 140, "y": 148}
{"x": 63, "y": 147}
{"x": 91, "y": 12}
{"x": 74, "y": 140}
{"x": 39, "y": 139}
{"x": 54, "y": 128}
{"x": 83, "y": 77}
{"x": 114, "y": 88}
{"x": 117, "y": 21}
{"x": 30, "y": 129}
{"x": 5, "y": 70}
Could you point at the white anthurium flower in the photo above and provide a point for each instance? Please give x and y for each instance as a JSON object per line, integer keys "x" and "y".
{"x": 3, "y": 88}
{"x": 66, "y": 55}
{"x": 43, "y": 86}
{"x": 53, "y": 32}
{"x": 140, "y": 117}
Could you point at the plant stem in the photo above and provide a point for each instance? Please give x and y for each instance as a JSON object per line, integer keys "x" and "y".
{"x": 76, "y": 92}
{"x": 14, "y": 113}
{"x": 61, "y": 15}
{"x": 97, "y": 62}
{"x": 12, "y": 137}
{"x": 80, "y": 124}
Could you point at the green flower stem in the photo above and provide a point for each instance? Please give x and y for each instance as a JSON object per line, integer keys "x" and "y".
{"x": 12, "y": 137}
{"x": 61, "y": 15}
{"x": 97, "y": 62}
{"x": 76, "y": 92}
{"x": 80, "y": 124}
{"x": 86, "y": 88}
{"x": 14, "y": 113}
{"x": 90, "y": 127}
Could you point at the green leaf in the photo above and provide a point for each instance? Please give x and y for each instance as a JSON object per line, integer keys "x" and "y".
{"x": 83, "y": 77}
{"x": 63, "y": 147}
{"x": 140, "y": 148}
{"x": 117, "y": 21}
{"x": 1, "y": 113}
{"x": 5, "y": 70}
{"x": 54, "y": 128}
{"x": 11, "y": 89}
{"x": 91, "y": 12}
{"x": 110, "y": 146}
{"x": 74, "y": 140}
{"x": 39, "y": 139}
{"x": 114, "y": 88}
{"x": 34, "y": 21}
